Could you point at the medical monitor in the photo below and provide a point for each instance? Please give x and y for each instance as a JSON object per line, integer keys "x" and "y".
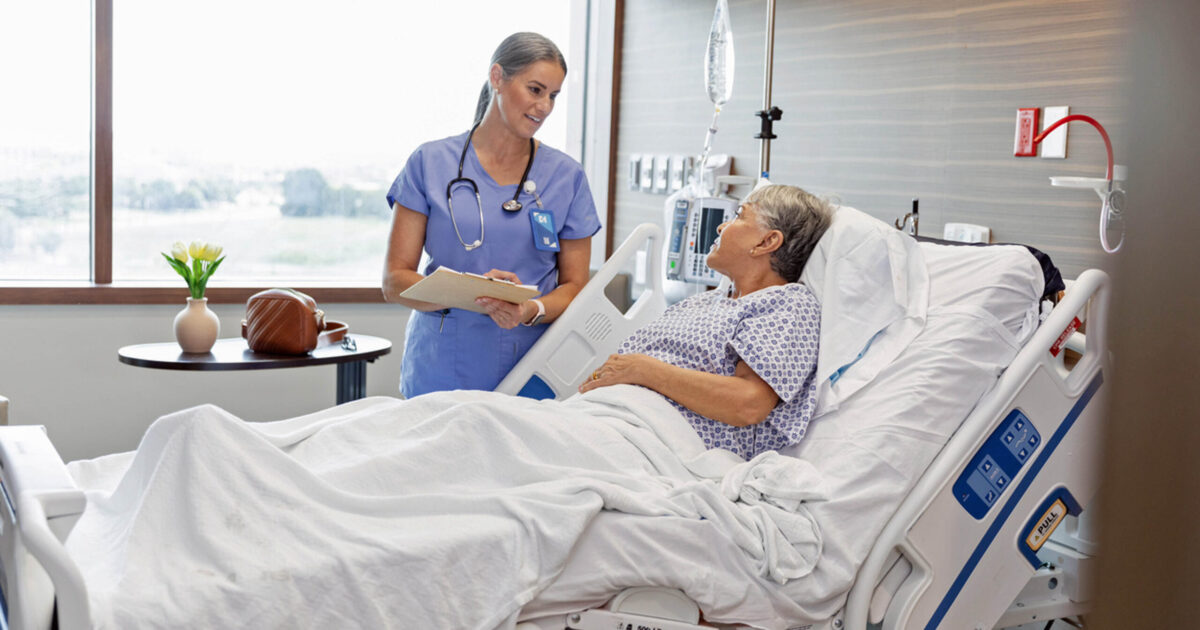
{"x": 707, "y": 214}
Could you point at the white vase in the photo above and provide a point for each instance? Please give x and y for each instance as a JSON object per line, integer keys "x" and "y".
{"x": 196, "y": 327}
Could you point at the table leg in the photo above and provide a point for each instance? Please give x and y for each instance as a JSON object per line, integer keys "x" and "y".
{"x": 351, "y": 381}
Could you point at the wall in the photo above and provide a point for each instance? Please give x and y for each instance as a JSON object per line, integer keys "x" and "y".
{"x": 59, "y": 368}
{"x": 887, "y": 101}
{"x": 1150, "y": 497}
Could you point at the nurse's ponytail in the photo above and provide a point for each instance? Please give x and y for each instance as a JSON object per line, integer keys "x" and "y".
{"x": 513, "y": 54}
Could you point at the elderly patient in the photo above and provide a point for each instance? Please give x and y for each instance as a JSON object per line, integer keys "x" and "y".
{"x": 740, "y": 366}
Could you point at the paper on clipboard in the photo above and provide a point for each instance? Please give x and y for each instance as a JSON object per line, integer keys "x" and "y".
{"x": 459, "y": 290}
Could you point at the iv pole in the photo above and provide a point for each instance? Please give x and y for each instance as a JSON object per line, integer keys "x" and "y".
{"x": 769, "y": 113}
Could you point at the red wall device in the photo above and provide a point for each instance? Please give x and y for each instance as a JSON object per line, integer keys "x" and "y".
{"x": 1027, "y": 128}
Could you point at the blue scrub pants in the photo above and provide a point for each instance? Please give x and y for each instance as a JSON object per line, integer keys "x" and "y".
{"x": 465, "y": 350}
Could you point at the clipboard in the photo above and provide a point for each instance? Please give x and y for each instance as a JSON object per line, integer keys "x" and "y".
{"x": 458, "y": 289}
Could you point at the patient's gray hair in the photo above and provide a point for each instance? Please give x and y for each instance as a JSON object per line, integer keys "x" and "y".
{"x": 801, "y": 217}
{"x": 514, "y": 54}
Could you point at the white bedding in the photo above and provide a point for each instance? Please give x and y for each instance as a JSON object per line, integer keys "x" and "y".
{"x": 467, "y": 509}
{"x": 450, "y": 510}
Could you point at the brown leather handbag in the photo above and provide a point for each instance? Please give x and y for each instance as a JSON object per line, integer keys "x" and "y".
{"x": 286, "y": 321}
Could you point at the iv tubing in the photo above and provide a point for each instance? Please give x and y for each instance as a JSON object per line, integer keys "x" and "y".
{"x": 708, "y": 138}
{"x": 764, "y": 156}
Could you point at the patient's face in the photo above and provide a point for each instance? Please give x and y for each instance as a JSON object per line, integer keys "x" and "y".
{"x": 737, "y": 237}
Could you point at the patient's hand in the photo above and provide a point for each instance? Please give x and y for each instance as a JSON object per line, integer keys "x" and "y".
{"x": 627, "y": 369}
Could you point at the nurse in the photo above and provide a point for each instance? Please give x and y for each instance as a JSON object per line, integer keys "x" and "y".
{"x": 495, "y": 201}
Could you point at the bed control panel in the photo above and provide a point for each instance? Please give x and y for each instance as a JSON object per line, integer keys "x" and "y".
{"x": 996, "y": 464}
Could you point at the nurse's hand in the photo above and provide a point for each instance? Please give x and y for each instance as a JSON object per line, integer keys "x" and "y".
{"x": 501, "y": 274}
{"x": 506, "y": 314}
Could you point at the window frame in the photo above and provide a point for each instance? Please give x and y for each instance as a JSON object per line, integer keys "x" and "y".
{"x": 101, "y": 289}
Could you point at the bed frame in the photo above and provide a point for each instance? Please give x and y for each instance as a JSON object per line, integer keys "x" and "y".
{"x": 951, "y": 556}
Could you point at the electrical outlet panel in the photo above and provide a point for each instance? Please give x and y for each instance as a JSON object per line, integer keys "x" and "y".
{"x": 661, "y": 167}
{"x": 635, "y": 171}
{"x": 1055, "y": 144}
{"x": 1027, "y": 128}
{"x": 681, "y": 170}
{"x": 966, "y": 233}
{"x": 646, "y": 178}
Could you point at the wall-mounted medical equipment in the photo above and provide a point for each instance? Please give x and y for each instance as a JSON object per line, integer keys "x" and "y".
{"x": 693, "y": 230}
{"x": 1112, "y": 196}
{"x": 910, "y": 223}
{"x": 966, "y": 233}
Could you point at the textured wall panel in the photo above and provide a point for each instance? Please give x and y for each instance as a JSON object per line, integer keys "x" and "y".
{"x": 887, "y": 101}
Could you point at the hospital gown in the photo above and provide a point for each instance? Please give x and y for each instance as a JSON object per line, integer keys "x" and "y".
{"x": 774, "y": 331}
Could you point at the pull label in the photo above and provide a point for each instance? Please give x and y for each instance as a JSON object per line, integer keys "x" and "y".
{"x": 1046, "y": 525}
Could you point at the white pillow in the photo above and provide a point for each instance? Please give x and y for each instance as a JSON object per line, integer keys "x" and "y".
{"x": 1004, "y": 280}
{"x": 873, "y": 287}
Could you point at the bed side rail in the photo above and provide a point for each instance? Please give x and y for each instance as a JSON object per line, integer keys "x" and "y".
{"x": 1026, "y": 455}
{"x": 592, "y": 327}
{"x": 41, "y": 505}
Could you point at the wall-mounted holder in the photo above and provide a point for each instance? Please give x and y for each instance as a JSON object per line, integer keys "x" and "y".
{"x": 1098, "y": 184}
{"x": 1112, "y": 197}
{"x": 1113, "y": 200}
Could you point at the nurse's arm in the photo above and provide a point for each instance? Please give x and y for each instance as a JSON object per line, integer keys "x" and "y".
{"x": 405, "y": 243}
{"x": 574, "y": 257}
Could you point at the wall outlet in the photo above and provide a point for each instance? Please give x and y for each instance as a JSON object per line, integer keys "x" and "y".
{"x": 1055, "y": 144}
{"x": 646, "y": 178}
{"x": 1027, "y": 128}
{"x": 662, "y": 164}
{"x": 635, "y": 171}
{"x": 681, "y": 170}
{"x": 966, "y": 233}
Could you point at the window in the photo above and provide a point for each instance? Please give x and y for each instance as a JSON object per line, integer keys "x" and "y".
{"x": 271, "y": 128}
{"x": 44, "y": 140}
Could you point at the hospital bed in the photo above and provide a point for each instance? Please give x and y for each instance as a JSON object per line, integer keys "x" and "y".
{"x": 975, "y": 527}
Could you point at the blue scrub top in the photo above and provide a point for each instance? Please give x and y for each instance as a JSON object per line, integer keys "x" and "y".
{"x": 466, "y": 350}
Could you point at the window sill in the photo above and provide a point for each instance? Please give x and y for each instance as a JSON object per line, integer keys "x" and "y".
{"x": 168, "y": 293}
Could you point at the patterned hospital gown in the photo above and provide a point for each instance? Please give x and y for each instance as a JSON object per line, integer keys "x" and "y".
{"x": 773, "y": 330}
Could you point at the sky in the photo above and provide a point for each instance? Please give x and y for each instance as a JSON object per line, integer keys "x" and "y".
{"x": 262, "y": 83}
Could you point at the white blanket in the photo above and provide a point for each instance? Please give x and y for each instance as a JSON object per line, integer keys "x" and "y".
{"x": 450, "y": 510}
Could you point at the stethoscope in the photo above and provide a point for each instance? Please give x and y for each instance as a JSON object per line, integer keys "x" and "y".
{"x": 512, "y": 205}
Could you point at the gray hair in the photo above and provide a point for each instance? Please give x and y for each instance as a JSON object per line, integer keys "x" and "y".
{"x": 801, "y": 217}
{"x": 514, "y": 54}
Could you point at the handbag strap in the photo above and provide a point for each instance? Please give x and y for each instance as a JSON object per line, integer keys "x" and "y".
{"x": 334, "y": 332}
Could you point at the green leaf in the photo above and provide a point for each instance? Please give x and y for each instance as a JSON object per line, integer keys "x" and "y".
{"x": 179, "y": 268}
{"x": 211, "y": 268}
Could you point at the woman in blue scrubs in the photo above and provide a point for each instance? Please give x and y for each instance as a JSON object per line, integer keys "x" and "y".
{"x": 531, "y": 223}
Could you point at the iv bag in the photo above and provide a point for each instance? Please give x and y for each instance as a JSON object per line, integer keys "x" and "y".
{"x": 718, "y": 59}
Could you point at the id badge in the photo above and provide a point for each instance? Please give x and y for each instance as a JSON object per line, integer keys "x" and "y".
{"x": 545, "y": 237}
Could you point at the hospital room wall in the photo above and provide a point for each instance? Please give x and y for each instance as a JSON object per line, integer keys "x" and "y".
{"x": 885, "y": 102}
{"x": 59, "y": 368}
